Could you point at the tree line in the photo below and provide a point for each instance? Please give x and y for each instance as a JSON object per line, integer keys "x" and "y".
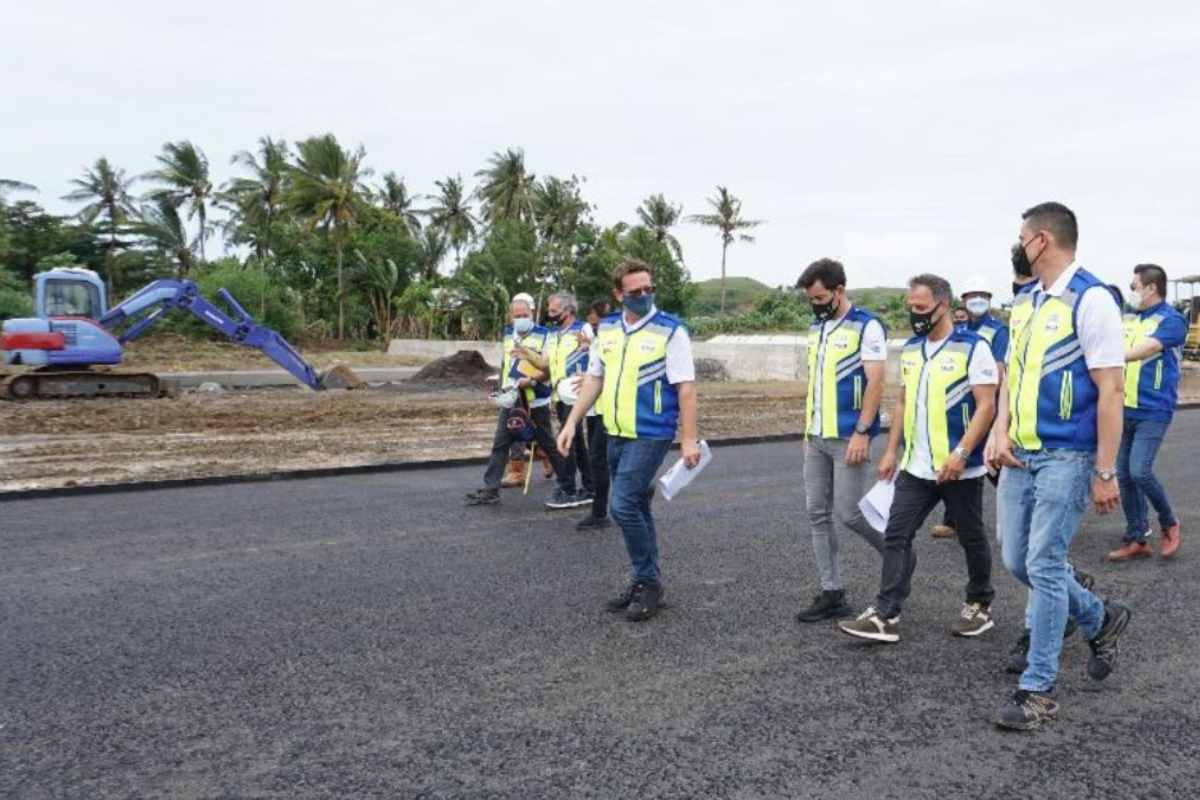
{"x": 321, "y": 249}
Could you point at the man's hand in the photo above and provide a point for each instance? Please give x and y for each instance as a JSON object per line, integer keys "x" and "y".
{"x": 887, "y": 466}
{"x": 859, "y": 448}
{"x": 1105, "y": 495}
{"x": 524, "y": 383}
{"x": 691, "y": 452}
{"x": 519, "y": 352}
{"x": 1003, "y": 456}
{"x": 565, "y": 437}
{"x": 952, "y": 468}
{"x": 584, "y": 340}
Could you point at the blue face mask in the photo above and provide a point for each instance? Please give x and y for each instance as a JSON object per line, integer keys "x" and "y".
{"x": 638, "y": 306}
{"x": 522, "y": 325}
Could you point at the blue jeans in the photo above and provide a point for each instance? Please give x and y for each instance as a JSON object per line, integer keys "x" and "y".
{"x": 632, "y": 465}
{"x": 1140, "y": 440}
{"x": 1038, "y": 510}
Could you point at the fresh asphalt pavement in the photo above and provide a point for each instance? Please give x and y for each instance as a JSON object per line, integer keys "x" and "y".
{"x": 368, "y": 636}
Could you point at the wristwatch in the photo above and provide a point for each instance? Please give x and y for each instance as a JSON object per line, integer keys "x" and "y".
{"x": 962, "y": 453}
{"x": 1104, "y": 474}
{"x": 860, "y": 428}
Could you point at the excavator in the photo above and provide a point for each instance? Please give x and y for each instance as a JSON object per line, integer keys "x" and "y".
{"x": 67, "y": 350}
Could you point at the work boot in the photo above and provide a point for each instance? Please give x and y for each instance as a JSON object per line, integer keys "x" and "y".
{"x": 1130, "y": 551}
{"x": 1104, "y": 646}
{"x": 943, "y": 532}
{"x": 514, "y": 474}
{"x": 483, "y": 497}
{"x": 1025, "y": 711}
{"x": 645, "y": 601}
{"x": 622, "y": 601}
{"x": 826, "y": 605}
{"x": 1170, "y": 541}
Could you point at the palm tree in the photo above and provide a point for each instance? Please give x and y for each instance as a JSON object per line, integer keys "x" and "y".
{"x": 383, "y": 281}
{"x": 161, "y": 227}
{"x": 185, "y": 172}
{"x": 433, "y": 249}
{"x": 728, "y": 220}
{"x": 660, "y": 216}
{"x": 452, "y": 213}
{"x": 257, "y": 201}
{"x": 395, "y": 197}
{"x": 7, "y": 185}
{"x": 105, "y": 189}
{"x": 558, "y": 209}
{"x": 507, "y": 190}
{"x": 326, "y": 188}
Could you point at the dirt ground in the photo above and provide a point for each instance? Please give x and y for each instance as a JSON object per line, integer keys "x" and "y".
{"x": 171, "y": 352}
{"x": 61, "y": 443}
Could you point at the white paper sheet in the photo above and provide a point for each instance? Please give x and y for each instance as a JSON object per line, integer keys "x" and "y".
{"x": 877, "y": 504}
{"x": 679, "y": 476}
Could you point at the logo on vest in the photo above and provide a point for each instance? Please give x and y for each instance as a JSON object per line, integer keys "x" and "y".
{"x": 1052, "y": 324}
{"x": 947, "y": 365}
{"x": 648, "y": 347}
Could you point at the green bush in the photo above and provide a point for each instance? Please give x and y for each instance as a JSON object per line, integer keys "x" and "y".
{"x": 266, "y": 300}
{"x": 15, "y": 303}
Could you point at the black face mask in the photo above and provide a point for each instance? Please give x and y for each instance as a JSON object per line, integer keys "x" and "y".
{"x": 553, "y": 321}
{"x": 922, "y": 324}
{"x": 823, "y": 312}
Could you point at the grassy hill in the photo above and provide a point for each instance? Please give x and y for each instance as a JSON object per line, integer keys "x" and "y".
{"x": 740, "y": 293}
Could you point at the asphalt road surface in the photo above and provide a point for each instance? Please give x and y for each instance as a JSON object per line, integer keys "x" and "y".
{"x": 371, "y": 637}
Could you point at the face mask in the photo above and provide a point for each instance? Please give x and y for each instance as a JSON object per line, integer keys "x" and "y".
{"x": 824, "y": 311}
{"x": 638, "y": 306}
{"x": 978, "y": 306}
{"x": 553, "y": 321}
{"x": 922, "y": 324}
{"x": 1020, "y": 261}
{"x": 522, "y": 325}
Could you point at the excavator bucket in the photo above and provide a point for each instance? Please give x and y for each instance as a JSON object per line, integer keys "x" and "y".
{"x": 341, "y": 376}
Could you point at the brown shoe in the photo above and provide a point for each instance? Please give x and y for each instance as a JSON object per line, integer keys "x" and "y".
{"x": 547, "y": 467}
{"x": 1170, "y": 541}
{"x": 1130, "y": 551}
{"x": 514, "y": 475}
{"x": 943, "y": 532}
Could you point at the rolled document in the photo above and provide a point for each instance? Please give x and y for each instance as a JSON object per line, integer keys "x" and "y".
{"x": 679, "y": 476}
{"x": 877, "y": 504}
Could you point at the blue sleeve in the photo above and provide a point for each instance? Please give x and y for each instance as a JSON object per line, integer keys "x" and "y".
{"x": 1000, "y": 344}
{"x": 1172, "y": 331}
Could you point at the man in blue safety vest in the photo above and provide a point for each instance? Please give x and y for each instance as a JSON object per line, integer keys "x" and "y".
{"x": 1154, "y": 335}
{"x": 1063, "y": 420}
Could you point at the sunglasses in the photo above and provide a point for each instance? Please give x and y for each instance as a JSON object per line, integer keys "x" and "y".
{"x": 645, "y": 290}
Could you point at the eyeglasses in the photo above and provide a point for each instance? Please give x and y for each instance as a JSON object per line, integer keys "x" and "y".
{"x": 645, "y": 290}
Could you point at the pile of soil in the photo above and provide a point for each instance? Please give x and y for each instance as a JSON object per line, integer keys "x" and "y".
{"x": 466, "y": 369}
{"x": 710, "y": 369}
{"x": 342, "y": 377}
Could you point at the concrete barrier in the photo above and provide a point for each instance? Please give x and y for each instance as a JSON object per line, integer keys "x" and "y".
{"x": 779, "y": 357}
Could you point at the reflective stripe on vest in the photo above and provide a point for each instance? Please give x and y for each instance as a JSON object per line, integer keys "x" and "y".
{"x": 949, "y": 401}
{"x": 566, "y": 359}
{"x": 637, "y": 400}
{"x": 536, "y": 340}
{"x": 1151, "y": 384}
{"x": 1052, "y": 399}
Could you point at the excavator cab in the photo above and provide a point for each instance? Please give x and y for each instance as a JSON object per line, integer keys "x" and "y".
{"x": 69, "y": 292}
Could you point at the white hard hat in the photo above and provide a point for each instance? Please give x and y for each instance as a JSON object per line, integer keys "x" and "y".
{"x": 523, "y": 297}
{"x": 975, "y": 283}
{"x": 504, "y": 399}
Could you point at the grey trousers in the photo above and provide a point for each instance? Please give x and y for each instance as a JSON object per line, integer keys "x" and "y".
{"x": 832, "y": 489}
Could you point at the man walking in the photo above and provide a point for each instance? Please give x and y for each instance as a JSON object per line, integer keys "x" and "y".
{"x": 567, "y": 359}
{"x": 597, "y": 436}
{"x": 1063, "y": 418}
{"x": 946, "y": 404}
{"x": 641, "y": 370}
{"x": 523, "y": 344}
{"x": 847, "y": 350}
{"x": 1153, "y": 338}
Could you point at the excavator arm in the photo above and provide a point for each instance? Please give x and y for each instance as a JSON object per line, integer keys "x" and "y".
{"x": 142, "y": 311}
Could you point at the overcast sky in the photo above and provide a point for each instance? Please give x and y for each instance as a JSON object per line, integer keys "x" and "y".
{"x": 898, "y": 137}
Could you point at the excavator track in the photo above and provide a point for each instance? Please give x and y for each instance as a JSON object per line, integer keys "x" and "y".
{"x": 55, "y": 384}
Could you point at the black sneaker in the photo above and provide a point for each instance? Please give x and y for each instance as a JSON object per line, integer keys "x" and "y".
{"x": 1104, "y": 645}
{"x": 644, "y": 603}
{"x": 561, "y": 499}
{"x": 583, "y": 498}
{"x": 1019, "y": 654}
{"x": 622, "y": 601}
{"x": 483, "y": 497}
{"x": 1084, "y": 579}
{"x": 1024, "y": 711}
{"x": 826, "y": 605}
{"x": 592, "y": 522}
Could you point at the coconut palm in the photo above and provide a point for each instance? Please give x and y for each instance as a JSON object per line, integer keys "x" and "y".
{"x": 558, "y": 210}
{"x": 160, "y": 226}
{"x": 105, "y": 189}
{"x": 8, "y": 185}
{"x": 395, "y": 197}
{"x": 184, "y": 170}
{"x": 660, "y": 216}
{"x": 383, "y": 281}
{"x": 727, "y": 219}
{"x": 326, "y": 189}
{"x": 256, "y": 202}
{"x": 507, "y": 190}
{"x": 452, "y": 213}
{"x": 433, "y": 249}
